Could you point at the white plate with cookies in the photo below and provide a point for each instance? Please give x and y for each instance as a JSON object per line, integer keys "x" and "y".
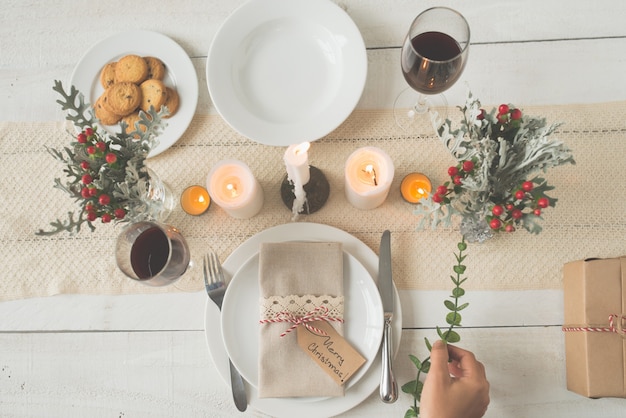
{"x": 131, "y": 71}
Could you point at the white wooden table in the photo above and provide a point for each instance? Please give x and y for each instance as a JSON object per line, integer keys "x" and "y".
{"x": 131, "y": 356}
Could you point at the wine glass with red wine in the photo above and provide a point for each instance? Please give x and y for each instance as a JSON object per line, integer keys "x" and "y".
{"x": 152, "y": 253}
{"x": 433, "y": 57}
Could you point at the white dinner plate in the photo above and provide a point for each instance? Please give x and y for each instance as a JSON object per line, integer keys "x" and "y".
{"x": 363, "y": 316}
{"x": 289, "y": 407}
{"x": 179, "y": 74}
{"x": 286, "y": 71}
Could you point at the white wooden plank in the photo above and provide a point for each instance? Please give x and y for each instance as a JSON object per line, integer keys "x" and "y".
{"x": 57, "y": 32}
{"x": 526, "y": 370}
{"x": 582, "y": 71}
{"x": 384, "y": 24}
{"x": 186, "y": 311}
{"x": 171, "y": 374}
{"x": 38, "y": 48}
{"x": 571, "y": 72}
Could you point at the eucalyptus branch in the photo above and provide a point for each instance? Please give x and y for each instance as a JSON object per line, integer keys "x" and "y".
{"x": 453, "y": 319}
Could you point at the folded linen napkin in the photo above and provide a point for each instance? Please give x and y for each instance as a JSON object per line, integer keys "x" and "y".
{"x": 296, "y": 277}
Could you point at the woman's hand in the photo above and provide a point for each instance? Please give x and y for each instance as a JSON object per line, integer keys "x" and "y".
{"x": 456, "y": 385}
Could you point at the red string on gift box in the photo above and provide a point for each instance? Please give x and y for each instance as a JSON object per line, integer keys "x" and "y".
{"x": 318, "y": 314}
{"x": 611, "y": 328}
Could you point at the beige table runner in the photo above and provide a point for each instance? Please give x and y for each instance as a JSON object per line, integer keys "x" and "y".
{"x": 589, "y": 220}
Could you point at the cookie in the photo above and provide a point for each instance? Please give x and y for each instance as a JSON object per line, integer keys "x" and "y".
{"x": 103, "y": 114}
{"x": 156, "y": 68}
{"x": 123, "y": 98}
{"x": 153, "y": 93}
{"x": 131, "y": 68}
{"x": 172, "y": 102}
{"x": 130, "y": 121}
{"x": 107, "y": 75}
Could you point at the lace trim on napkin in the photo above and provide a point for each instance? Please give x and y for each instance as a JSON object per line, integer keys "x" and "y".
{"x": 300, "y": 305}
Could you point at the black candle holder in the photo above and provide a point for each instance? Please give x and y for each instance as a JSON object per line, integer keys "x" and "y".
{"x": 316, "y": 190}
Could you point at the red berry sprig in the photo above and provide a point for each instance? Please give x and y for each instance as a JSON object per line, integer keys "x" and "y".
{"x": 457, "y": 174}
{"x": 526, "y": 200}
{"x": 98, "y": 204}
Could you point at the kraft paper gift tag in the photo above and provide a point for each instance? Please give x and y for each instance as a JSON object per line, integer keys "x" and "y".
{"x": 298, "y": 277}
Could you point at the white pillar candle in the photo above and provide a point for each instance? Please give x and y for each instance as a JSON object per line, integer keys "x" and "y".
{"x": 232, "y": 187}
{"x": 368, "y": 176}
{"x": 297, "y": 163}
{"x": 298, "y": 172}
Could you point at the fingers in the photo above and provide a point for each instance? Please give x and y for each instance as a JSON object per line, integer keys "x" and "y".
{"x": 465, "y": 362}
{"x": 439, "y": 361}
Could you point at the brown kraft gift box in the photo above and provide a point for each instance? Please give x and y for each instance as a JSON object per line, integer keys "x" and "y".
{"x": 595, "y": 343}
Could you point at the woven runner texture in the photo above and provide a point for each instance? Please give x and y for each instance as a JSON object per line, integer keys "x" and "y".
{"x": 588, "y": 221}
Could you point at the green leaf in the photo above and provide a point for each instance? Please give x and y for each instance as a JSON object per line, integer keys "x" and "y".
{"x": 429, "y": 346}
{"x": 414, "y": 388}
{"x": 440, "y": 333}
{"x": 410, "y": 387}
{"x": 453, "y": 318}
{"x": 450, "y": 305}
{"x": 410, "y": 413}
{"x": 416, "y": 361}
{"x": 425, "y": 366}
{"x": 463, "y": 306}
{"x": 458, "y": 292}
{"x": 459, "y": 269}
{"x": 451, "y": 337}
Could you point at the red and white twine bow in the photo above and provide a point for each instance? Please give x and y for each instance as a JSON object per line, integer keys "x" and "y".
{"x": 615, "y": 325}
{"x": 318, "y": 314}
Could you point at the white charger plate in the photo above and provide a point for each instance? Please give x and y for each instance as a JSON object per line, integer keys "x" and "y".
{"x": 286, "y": 71}
{"x": 179, "y": 74}
{"x": 363, "y": 327}
{"x": 289, "y": 407}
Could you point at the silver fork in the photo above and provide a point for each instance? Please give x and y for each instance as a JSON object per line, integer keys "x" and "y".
{"x": 215, "y": 288}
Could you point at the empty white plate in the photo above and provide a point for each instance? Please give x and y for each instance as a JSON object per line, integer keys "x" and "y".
{"x": 282, "y": 72}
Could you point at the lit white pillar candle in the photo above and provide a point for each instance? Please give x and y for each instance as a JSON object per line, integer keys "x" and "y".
{"x": 368, "y": 176}
{"x": 232, "y": 187}
{"x": 297, "y": 162}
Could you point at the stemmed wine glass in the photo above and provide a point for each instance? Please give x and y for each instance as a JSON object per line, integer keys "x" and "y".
{"x": 152, "y": 253}
{"x": 433, "y": 57}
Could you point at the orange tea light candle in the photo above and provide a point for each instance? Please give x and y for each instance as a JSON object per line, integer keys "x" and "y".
{"x": 195, "y": 200}
{"x": 414, "y": 187}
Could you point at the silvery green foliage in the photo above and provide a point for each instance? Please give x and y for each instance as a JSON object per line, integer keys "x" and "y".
{"x": 127, "y": 181}
{"x": 504, "y": 157}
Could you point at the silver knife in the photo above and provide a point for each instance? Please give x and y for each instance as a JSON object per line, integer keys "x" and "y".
{"x": 388, "y": 384}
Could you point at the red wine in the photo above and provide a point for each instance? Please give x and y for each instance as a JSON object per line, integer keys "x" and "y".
{"x": 149, "y": 253}
{"x": 437, "y": 64}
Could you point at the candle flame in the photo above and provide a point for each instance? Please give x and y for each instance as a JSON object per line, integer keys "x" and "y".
{"x": 232, "y": 189}
{"x": 369, "y": 169}
{"x": 302, "y": 148}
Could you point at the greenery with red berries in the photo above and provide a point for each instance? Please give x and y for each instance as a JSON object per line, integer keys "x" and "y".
{"x": 494, "y": 182}
{"x": 106, "y": 174}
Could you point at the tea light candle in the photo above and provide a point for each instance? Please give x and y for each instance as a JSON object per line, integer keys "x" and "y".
{"x": 232, "y": 187}
{"x": 298, "y": 172}
{"x": 414, "y": 187}
{"x": 195, "y": 200}
{"x": 368, "y": 176}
